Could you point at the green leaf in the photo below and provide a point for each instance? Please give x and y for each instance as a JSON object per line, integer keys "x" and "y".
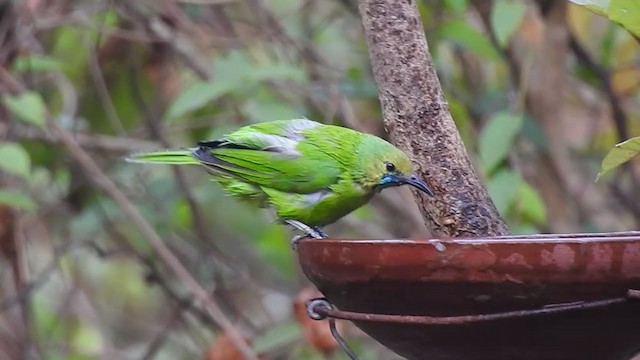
{"x": 85, "y": 223}
{"x": 197, "y": 96}
{"x": 627, "y": 14}
{"x": 624, "y": 12}
{"x": 461, "y": 33}
{"x": 462, "y": 120}
{"x": 15, "y": 160}
{"x": 502, "y": 188}
{"x": 235, "y": 73}
{"x": 523, "y": 229}
{"x": 278, "y": 338}
{"x": 531, "y": 205}
{"x": 620, "y": 154}
{"x": 496, "y": 138}
{"x": 182, "y": 217}
{"x": 597, "y": 6}
{"x": 265, "y": 104}
{"x": 457, "y": 6}
{"x": 258, "y": 111}
{"x": 276, "y": 72}
{"x": 16, "y": 199}
{"x": 532, "y": 131}
{"x": 506, "y": 16}
{"x": 27, "y": 107}
{"x": 270, "y": 245}
{"x": 87, "y": 339}
{"x": 36, "y": 63}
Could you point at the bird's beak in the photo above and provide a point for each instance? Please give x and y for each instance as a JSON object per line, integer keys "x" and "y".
{"x": 416, "y": 182}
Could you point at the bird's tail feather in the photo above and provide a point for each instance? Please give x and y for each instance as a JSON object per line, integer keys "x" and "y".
{"x": 175, "y": 157}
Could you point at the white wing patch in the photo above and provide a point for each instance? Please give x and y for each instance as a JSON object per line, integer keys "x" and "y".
{"x": 280, "y": 144}
{"x": 311, "y": 199}
{"x": 287, "y": 142}
{"x": 294, "y": 128}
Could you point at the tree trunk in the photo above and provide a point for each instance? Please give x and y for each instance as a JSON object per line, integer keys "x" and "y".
{"x": 417, "y": 117}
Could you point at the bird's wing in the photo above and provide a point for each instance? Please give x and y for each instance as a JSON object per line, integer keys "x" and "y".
{"x": 268, "y": 154}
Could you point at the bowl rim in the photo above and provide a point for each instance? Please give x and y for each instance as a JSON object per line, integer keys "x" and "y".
{"x": 626, "y": 236}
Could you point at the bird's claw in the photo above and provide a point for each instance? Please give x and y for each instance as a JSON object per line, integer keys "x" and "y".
{"x": 321, "y": 234}
{"x": 295, "y": 239}
{"x": 311, "y": 232}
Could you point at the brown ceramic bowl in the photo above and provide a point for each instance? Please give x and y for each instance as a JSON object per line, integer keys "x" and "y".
{"x": 481, "y": 276}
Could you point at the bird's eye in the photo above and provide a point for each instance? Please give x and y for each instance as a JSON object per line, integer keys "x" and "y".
{"x": 390, "y": 167}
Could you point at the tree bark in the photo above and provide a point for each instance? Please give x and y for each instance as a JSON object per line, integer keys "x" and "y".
{"x": 417, "y": 117}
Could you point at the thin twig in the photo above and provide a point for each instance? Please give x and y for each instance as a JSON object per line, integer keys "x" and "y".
{"x": 101, "y": 180}
{"x": 27, "y": 288}
{"x": 181, "y": 45}
{"x": 151, "y": 120}
{"x": 160, "y": 338}
{"x": 202, "y": 231}
{"x": 629, "y": 202}
{"x": 102, "y": 90}
{"x": 619, "y": 116}
{"x": 107, "y": 143}
{"x": 153, "y": 274}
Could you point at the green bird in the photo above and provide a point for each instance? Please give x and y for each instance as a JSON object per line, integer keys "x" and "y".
{"x": 311, "y": 174}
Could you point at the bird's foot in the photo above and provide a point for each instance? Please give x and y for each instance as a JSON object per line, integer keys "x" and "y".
{"x": 295, "y": 239}
{"x": 320, "y": 232}
{"x": 311, "y": 232}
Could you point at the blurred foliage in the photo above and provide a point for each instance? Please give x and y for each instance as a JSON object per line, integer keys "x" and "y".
{"x": 131, "y": 76}
{"x": 623, "y": 12}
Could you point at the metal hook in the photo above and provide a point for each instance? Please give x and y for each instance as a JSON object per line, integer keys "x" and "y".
{"x": 312, "y": 310}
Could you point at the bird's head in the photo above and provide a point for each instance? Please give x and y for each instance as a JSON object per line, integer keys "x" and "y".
{"x": 387, "y": 166}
